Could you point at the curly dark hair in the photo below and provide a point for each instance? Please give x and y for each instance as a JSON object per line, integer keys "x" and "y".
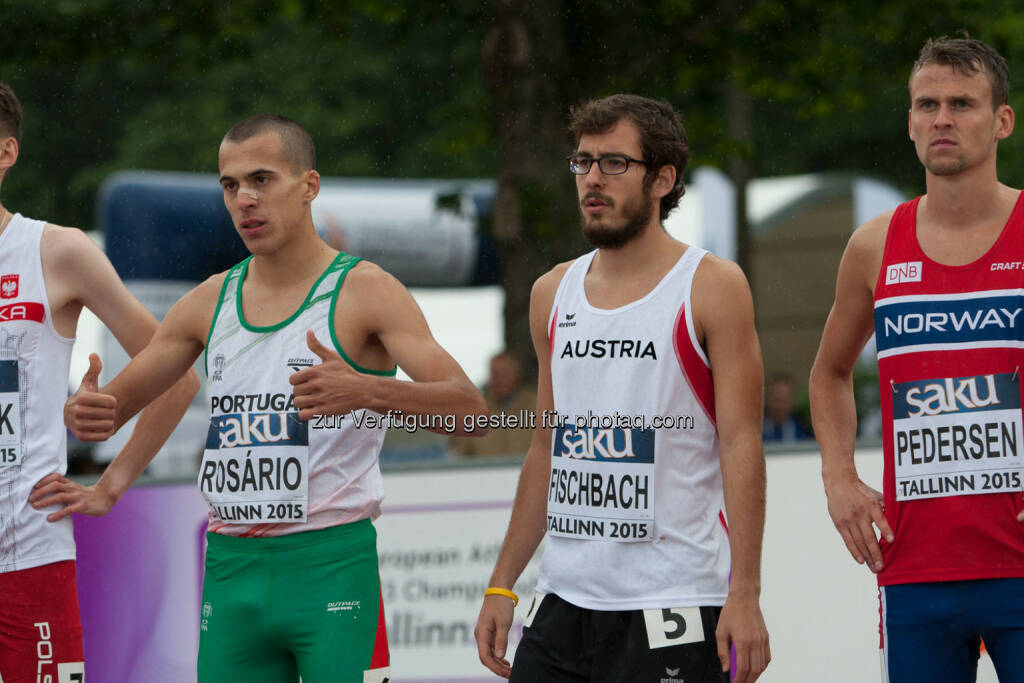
{"x": 662, "y": 136}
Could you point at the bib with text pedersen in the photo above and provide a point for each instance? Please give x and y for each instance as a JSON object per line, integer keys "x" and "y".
{"x": 957, "y": 436}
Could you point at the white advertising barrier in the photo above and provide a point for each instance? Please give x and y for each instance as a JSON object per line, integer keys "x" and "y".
{"x": 140, "y": 568}
{"x": 438, "y": 539}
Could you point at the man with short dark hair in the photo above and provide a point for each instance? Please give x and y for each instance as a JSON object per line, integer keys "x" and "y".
{"x": 648, "y": 355}
{"x": 940, "y": 283}
{"x": 297, "y": 330}
{"x": 47, "y": 275}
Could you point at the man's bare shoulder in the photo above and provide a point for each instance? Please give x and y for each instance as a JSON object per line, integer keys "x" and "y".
{"x": 547, "y": 284}
{"x": 367, "y": 279}
{"x": 62, "y": 245}
{"x": 203, "y": 299}
{"x": 716, "y": 276}
{"x": 869, "y": 237}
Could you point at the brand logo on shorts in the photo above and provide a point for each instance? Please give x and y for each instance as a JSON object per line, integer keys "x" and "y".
{"x": 903, "y": 272}
{"x": 343, "y": 606}
{"x": 671, "y": 676}
{"x": 204, "y": 625}
{"x": 8, "y": 286}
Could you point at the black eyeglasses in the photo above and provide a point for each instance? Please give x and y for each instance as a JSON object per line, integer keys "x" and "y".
{"x": 612, "y": 164}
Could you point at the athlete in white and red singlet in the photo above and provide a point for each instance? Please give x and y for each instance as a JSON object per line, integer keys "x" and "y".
{"x": 47, "y": 274}
{"x": 647, "y": 351}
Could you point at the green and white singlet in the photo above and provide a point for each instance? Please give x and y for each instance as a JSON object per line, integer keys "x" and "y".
{"x": 265, "y": 472}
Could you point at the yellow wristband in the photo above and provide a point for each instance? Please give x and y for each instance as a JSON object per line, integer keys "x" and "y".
{"x": 503, "y": 591}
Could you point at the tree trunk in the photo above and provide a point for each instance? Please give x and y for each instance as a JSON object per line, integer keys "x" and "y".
{"x": 523, "y": 60}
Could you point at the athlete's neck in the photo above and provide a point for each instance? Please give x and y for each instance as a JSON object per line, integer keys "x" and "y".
{"x": 300, "y": 260}
{"x": 652, "y": 252}
{"x": 963, "y": 200}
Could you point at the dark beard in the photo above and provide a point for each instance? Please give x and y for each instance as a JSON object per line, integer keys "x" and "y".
{"x": 604, "y": 237}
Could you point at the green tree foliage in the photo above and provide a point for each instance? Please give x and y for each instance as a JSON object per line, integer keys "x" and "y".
{"x": 468, "y": 89}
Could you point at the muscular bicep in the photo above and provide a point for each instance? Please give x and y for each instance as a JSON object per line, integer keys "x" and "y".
{"x": 723, "y": 303}
{"x": 78, "y": 273}
{"x": 397, "y": 321}
{"x": 541, "y": 301}
{"x": 174, "y": 347}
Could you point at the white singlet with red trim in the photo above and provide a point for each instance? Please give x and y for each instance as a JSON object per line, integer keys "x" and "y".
{"x": 34, "y": 366}
{"x": 635, "y": 506}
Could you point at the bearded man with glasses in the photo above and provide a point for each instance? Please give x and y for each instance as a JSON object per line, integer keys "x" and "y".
{"x": 635, "y": 577}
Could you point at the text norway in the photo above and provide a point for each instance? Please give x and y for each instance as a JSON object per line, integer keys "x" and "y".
{"x": 912, "y": 323}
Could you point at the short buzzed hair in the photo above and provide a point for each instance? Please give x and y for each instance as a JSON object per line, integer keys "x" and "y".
{"x": 968, "y": 56}
{"x": 10, "y": 113}
{"x": 296, "y": 144}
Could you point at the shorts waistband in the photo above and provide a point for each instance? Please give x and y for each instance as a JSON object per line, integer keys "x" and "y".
{"x": 354, "y": 532}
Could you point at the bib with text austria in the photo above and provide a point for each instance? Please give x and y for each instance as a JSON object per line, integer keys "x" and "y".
{"x": 957, "y": 436}
{"x": 602, "y": 484}
{"x": 255, "y": 467}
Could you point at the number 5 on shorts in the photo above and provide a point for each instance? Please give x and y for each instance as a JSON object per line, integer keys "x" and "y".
{"x": 675, "y": 626}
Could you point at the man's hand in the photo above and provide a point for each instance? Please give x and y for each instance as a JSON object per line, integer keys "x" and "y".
{"x": 87, "y": 413}
{"x": 491, "y": 633}
{"x": 854, "y": 506}
{"x": 54, "y": 489}
{"x": 331, "y": 388}
{"x": 742, "y": 626}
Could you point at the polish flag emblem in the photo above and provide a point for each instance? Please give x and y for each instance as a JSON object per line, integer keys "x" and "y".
{"x": 8, "y": 286}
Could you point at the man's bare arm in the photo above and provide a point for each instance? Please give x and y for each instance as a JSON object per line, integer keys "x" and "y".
{"x": 439, "y": 386}
{"x": 74, "y": 264}
{"x": 852, "y": 504}
{"x": 527, "y": 525}
{"x": 724, "y": 312}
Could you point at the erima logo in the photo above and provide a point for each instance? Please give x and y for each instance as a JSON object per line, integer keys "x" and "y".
{"x": 903, "y": 272}
{"x": 671, "y": 676}
{"x": 568, "y": 318}
{"x": 951, "y": 396}
{"x": 297, "y": 364}
{"x": 612, "y": 348}
{"x": 912, "y": 323}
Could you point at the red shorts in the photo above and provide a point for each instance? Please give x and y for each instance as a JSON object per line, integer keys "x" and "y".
{"x": 40, "y": 627}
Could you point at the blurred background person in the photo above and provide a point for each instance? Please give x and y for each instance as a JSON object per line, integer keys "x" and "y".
{"x": 782, "y": 422}
{"x": 504, "y": 393}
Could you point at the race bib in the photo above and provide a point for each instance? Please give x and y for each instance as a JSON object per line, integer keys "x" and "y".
{"x": 957, "y": 436}
{"x": 602, "y": 484}
{"x": 255, "y": 468}
{"x": 675, "y": 626}
{"x": 10, "y": 414}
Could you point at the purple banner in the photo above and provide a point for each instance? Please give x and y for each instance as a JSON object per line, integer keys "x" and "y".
{"x": 139, "y": 585}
